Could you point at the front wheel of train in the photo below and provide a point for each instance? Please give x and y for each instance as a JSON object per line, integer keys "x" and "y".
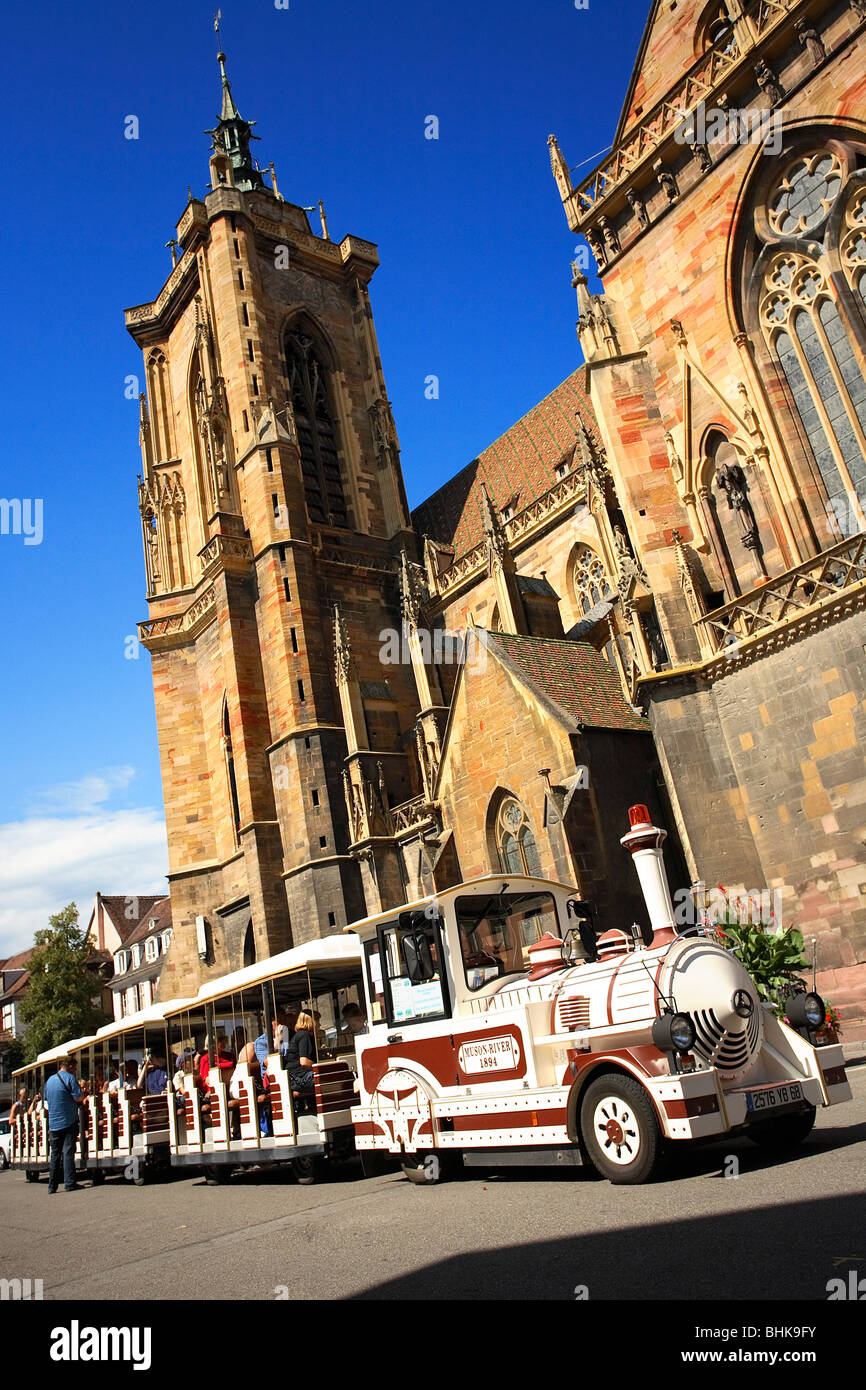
{"x": 620, "y": 1131}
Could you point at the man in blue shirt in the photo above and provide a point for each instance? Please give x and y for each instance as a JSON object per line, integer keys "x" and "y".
{"x": 153, "y": 1076}
{"x": 62, "y": 1097}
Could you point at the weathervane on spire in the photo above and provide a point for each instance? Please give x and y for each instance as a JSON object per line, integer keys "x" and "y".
{"x": 216, "y": 22}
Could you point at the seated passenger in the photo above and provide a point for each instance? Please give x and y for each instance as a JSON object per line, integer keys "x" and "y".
{"x": 281, "y": 1030}
{"x": 153, "y": 1076}
{"x": 354, "y": 1021}
{"x": 223, "y": 1059}
{"x": 19, "y": 1106}
{"x": 301, "y": 1054}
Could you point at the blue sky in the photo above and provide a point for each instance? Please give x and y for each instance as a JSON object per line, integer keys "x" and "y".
{"x": 474, "y": 287}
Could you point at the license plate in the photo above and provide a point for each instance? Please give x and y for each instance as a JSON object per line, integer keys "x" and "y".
{"x": 773, "y": 1099}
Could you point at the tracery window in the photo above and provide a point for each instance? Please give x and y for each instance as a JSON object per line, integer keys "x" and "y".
{"x": 810, "y": 317}
{"x": 716, "y": 30}
{"x": 589, "y": 579}
{"x": 317, "y": 431}
{"x": 518, "y": 852}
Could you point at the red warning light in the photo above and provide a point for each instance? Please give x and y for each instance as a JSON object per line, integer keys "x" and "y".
{"x": 638, "y": 815}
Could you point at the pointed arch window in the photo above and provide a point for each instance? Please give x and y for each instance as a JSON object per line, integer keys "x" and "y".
{"x": 230, "y": 773}
{"x": 812, "y": 316}
{"x": 316, "y": 425}
{"x": 518, "y": 852}
{"x": 589, "y": 579}
{"x": 249, "y": 946}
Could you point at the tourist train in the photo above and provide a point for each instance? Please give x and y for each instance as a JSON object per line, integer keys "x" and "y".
{"x": 499, "y": 1026}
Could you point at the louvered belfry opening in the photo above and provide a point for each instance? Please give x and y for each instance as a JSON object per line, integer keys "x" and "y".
{"x": 317, "y": 430}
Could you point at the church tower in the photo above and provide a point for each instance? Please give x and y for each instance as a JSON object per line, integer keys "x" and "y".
{"x": 275, "y": 523}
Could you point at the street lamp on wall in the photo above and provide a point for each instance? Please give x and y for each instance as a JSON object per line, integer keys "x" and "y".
{"x": 202, "y": 936}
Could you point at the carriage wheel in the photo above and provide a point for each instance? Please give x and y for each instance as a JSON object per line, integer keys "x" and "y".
{"x": 307, "y": 1170}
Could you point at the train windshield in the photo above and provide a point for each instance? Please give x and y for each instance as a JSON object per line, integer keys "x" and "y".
{"x": 496, "y": 933}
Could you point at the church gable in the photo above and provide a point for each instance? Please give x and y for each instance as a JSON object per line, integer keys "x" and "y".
{"x": 676, "y": 38}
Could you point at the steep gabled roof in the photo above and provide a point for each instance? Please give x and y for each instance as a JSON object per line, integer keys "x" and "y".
{"x": 160, "y": 913}
{"x": 19, "y": 961}
{"x": 571, "y": 678}
{"x": 517, "y": 468}
{"x": 116, "y": 906}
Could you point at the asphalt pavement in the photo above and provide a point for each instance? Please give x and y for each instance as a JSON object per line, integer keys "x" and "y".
{"x": 727, "y": 1222}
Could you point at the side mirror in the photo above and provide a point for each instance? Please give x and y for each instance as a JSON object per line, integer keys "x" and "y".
{"x": 417, "y": 956}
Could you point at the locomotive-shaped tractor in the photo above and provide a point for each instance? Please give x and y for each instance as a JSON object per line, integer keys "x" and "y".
{"x": 504, "y": 1030}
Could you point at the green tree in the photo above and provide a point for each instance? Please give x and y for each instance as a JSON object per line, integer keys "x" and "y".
{"x": 63, "y": 997}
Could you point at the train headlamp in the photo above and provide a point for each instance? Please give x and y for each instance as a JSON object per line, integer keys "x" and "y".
{"x": 674, "y": 1033}
{"x": 805, "y": 1010}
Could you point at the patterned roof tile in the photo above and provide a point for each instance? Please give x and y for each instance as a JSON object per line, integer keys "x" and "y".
{"x": 572, "y": 675}
{"x": 518, "y": 467}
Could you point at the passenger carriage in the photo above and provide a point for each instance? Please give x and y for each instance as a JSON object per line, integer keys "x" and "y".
{"x": 505, "y": 1029}
{"x": 128, "y": 1128}
{"x": 230, "y": 1121}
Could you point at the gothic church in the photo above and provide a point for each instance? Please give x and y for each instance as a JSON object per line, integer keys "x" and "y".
{"x": 660, "y": 569}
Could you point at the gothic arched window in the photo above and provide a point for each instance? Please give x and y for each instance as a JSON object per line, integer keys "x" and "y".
{"x": 589, "y": 579}
{"x": 518, "y": 852}
{"x": 230, "y": 773}
{"x": 317, "y": 430}
{"x": 812, "y": 294}
{"x": 590, "y": 586}
{"x": 715, "y": 30}
{"x": 249, "y": 946}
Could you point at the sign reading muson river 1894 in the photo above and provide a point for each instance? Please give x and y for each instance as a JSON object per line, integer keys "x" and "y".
{"x": 488, "y": 1054}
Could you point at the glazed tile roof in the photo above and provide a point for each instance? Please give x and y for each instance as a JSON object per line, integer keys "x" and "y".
{"x": 517, "y": 468}
{"x": 571, "y": 676}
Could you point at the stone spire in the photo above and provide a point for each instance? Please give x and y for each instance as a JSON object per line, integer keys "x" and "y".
{"x": 559, "y": 168}
{"x": 501, "y": 568}
{"x": 231, "y": 138}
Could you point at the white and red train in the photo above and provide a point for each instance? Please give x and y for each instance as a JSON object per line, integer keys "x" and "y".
{"x": 501, "y": 1029}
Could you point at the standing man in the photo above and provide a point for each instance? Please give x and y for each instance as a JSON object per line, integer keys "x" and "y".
{"x": 63, "y": 1096}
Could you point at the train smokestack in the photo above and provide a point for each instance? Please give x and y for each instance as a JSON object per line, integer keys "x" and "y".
{"x": 645, "y": 841}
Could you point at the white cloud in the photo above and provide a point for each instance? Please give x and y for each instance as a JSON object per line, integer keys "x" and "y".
{"x": 49, "y": 860}
{"x": 86, "y": 794}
